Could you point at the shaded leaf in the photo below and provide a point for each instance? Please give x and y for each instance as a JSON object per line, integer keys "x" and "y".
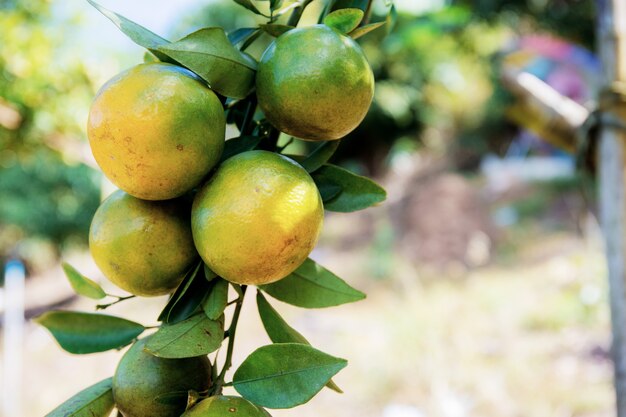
{"x": 185, "y": 300}
{"x": 240, "y": 35}
{"x": 209, "y": 53}
{"x": 320, "y": 155}
{"x": 196, "y": 336}
{"x": 279, "y": 331}
{"x": 217, "y": 299}
{"x": 95, "y": 401}
{"x": 344, "y": 20}
{"x": 208, "y": 274}
{"x": 248, "y": 5}
{"x": 363, "y": 30}
{"x": 275, "y": 4}
{"x": 284, "y": 375}
{"x": 238, "y": 145}
{"x": 137, "y": 33}
{"x": 81, "y": 284}
{"x": 88, "y": 332}
{"x": 357, "y": 193}
{"x": 313, "y": 286}
{"x": 276, "y": 30}
{"x": 328, "y": 190}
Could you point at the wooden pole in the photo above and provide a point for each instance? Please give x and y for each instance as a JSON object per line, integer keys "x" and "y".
{"x": 611, "y": 35}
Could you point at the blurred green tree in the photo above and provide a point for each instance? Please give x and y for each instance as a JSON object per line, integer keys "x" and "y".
{"x": 47, "y": 197}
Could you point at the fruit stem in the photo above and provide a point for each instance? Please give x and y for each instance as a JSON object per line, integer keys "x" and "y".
{"x": 228, "y": 362}
{"x": 119, "y": 300}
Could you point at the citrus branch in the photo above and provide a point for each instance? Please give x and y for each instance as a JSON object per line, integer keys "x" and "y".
{"x": 232, "y": 329}
{"x": 119, "y": 300}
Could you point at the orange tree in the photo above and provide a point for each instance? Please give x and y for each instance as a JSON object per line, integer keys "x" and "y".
{"x": 196, "y": 215}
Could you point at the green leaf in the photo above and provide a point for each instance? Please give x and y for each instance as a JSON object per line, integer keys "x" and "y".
{"x": 344, "y": 20}
{"x": 87, "y": 332}
{"x": 279, "y": 331}
{"x": 285, "y": 375}
{"x": 313, "y": 286}
{"x": 95, "y": 401}
{"x": 328, "y": 190}
{"x": 248, "y": 5}
{"x": 275, "y": 4}
{"x": 196, "y": 336}
{"x": 276, "y": 30}
{"x": 186, "y": 298}
{"x": 209, "y": 53}
{"x": 238, "y": 145}
{"x": 346, "y": 4}
{"x": 240, "y": 35}
{"x": 208, "y": 274}
{"x": 357, "y": 192}
{"x": 320, "y": 155}
{"x": 363, "y": 30}
{"x": 276, "y": 327}
{"x": 81, "y": 284}
{"x": 150, "y": 57}
{"x": 217, "y": 299}
{"x": 137, "y": 33}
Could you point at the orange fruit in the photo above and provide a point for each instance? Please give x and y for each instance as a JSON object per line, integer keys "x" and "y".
{"x": 143, "y": 384}
{"x": 225, "y": 405}
{"x": 143, "y": 247}
{"x": 156, "y": 131}
{"x": 257, "y": 219}
{"x": 314, "y": 83}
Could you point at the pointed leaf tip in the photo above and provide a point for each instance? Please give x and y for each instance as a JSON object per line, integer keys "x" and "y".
{"x": 81, "y": 284}
{"x": 344, "y": 20}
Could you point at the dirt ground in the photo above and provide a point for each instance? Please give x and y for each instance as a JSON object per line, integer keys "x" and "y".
{"x": 523, "y": 334}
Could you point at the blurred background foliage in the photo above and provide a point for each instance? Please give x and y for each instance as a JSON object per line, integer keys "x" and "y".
{"x": 437, "y": 92}
{"x": 47, "y": 196}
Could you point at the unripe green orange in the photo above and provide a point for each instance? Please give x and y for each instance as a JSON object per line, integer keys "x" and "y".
{"x": 143, "y": 383}
{"x": 156, "y": 131}
{"x": 143, "y": 247}
{"x": 257, "y": 219}
{"x": 314, "y": 83}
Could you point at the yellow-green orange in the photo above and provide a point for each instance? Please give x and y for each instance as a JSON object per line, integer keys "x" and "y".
{"x": 257, "y": 219}
{"x": 225, "y": 405}
{"x": 155, "y": 130}
{"x": 143, "y": 247}
{"x": 142, "y": 382}
{"x": 314, "y": 83}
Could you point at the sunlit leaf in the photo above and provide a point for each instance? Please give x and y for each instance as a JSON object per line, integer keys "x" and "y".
{"x": 196, "y": 336}
{"x": 279, "y": 331}
{"x": 284, "y": 375}
{"x": 344, "y": 20}
{"x": 364, "y": 30}
{"x": 209, "y": 53}
{"x": 95, "y": 401}
{"x": 313, "y": 286}
{"x": 87, "y": 332}
{"x": 81, "y": 284}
